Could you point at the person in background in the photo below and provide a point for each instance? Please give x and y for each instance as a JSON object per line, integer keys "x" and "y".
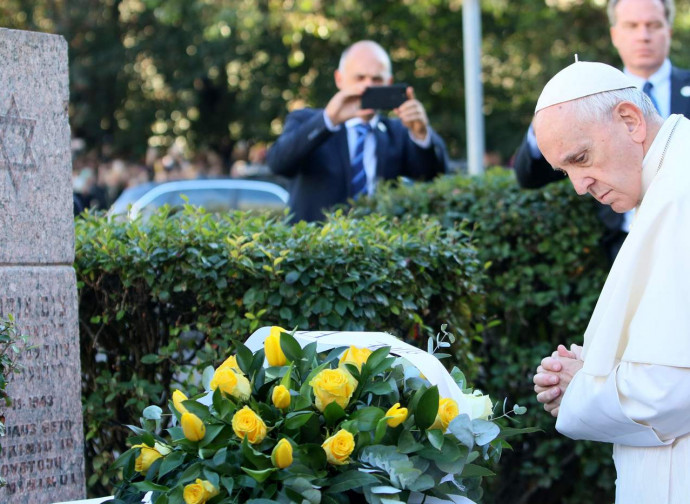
{"x": 641, "y": 33}
{"x": 338, "y": 153}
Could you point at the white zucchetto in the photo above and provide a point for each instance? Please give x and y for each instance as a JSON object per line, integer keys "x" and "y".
{"x": 582, "y": 78}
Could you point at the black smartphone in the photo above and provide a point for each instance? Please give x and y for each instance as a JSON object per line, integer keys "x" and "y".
{"x": 384, "y": 97}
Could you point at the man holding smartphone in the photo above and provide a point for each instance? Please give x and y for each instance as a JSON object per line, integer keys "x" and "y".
{"x": 338, "y": 153}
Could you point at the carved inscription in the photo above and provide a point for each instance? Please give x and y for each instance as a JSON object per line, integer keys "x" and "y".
{"x": 42, "y": 448}
{"x": 16, "y": 135}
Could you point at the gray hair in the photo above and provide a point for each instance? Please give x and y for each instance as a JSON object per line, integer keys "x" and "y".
{"x": 669, "y": 11}
{"x": 599, "y": 107}
{"x": 375, "y": 47}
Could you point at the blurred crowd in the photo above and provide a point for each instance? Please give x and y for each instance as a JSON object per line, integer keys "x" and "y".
{"x": 97, "y": 181}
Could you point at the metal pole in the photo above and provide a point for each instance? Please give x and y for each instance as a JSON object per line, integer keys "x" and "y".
{"x": 474, "y": 95}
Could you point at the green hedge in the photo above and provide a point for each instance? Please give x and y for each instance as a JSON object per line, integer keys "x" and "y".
{"x": 546, "y": 272}
{"x": 160, "y": 301}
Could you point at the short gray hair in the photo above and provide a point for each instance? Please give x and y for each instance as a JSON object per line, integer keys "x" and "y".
{"x": 376, "y": 47}
{"x": 599, "y": 107}
{"x": 669, "y": 11}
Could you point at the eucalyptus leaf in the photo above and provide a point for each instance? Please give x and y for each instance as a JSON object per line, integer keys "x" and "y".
{"x": 152, "y": 412}
{"x": 349, "y": 480}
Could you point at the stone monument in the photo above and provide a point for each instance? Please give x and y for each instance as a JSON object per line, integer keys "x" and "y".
{"x": 42, "y": 455}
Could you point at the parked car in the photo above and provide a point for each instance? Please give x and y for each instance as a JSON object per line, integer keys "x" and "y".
{"x": 215, "y": 195}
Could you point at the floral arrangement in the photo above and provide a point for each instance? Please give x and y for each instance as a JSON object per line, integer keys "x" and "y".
{"x": 288, "y": 424}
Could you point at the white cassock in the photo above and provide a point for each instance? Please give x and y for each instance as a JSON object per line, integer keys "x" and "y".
{"x": 634, "y": 388}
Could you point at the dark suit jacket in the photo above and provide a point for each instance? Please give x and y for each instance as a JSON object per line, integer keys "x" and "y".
{"x": 317, "y": 161}
{"x": 533, "y": 173}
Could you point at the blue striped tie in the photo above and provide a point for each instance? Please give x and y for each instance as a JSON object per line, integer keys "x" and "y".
{"x": 647, "y": 88}
{"x": 359, "y": 176}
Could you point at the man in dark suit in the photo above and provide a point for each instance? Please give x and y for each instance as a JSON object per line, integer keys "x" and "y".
{"x": 338, "y": 153}
{"x": 641, "y": 32}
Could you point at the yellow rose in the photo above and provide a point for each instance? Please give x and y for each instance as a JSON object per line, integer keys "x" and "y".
{"x": 274, "y": 353}
{"x": 199, "y": 492}
{"x": 177, "y": 399}
{"x": 281, "y": 397}
{"x": 480, "y": 405}
{"x": 355, "y": 356}
{"x": 339, "y": 447}
{"x": 281, "y": 456}
{"x": 247, "y": 423}
{"x": 192, "y": 426}
{"x": 398, "y": 415}
{"x": 147, "y": 456}
{"x": 332, "y": 385}
{"x": 231, "y": 383}
{"x": 231, "y": 362}
{"x": 447, "y": 410}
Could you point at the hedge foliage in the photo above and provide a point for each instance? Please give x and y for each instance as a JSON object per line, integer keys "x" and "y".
{"x": 158, "y": 301}
{"x": 546, "y": 272}
{"x": 161, "y": 300}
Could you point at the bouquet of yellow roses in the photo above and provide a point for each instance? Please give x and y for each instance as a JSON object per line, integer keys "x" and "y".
{"x": 302, "y": 418}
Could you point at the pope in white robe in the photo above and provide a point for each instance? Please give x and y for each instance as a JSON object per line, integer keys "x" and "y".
{"x": 630, "y": 383}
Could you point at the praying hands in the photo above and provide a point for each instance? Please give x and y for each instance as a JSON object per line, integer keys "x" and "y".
{"x": 555, "y": 374}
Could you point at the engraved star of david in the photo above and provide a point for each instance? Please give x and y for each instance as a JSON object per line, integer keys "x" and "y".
{"x": 16, "y": 134}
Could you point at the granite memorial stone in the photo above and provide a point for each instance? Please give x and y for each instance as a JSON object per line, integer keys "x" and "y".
{"x": 42, "y": 452}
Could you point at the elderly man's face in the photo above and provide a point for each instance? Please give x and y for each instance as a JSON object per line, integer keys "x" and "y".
{"x": 642, "y": 35}
{"x": 600, "y": 158}
{"x": 364, "y": 66}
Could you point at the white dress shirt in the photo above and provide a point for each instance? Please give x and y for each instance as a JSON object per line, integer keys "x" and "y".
{"x": 369, "y": 144}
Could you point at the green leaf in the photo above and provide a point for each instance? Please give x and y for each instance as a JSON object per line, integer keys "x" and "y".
{"x": 259, "y": 476}
{"x": 292, "y": 277}
{"x": 197, "y": 408}
{"x": 376, "y": 358}
{"x": 381, "y": 428}
{"x": 294, "y": 421}
{"x": 436, "y": 438}
{"x": 190, "y": 474}
{"x": 149, "y": 486}
{"x": 519, "y": 410}
{"x": 333, "y": 413}
{"x": 228, "y": 483}
{"x": 244, "y": 358}
{"x": 407, "y": 443}
{"x": 171, "y": 461}
{"x": 291, "y": 348}
{"x": 484, "y": 431}
{"x": 461, "y": 428}
{"x": 152, "y": 413}
{"x": 427, "y": 408}
{"x": 473, "y": 471}
{"x": 258, "y": 459}
{"x": 151, "y": 359}
{"x": 367, "y": 418}
{"x": 212, "y": 432}
{"x": 349, "y": 480}
{"x": 379, "y": 388}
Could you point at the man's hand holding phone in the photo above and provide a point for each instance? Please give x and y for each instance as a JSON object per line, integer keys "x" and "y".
{"x": 347, "y": 104}
{"x": 413, "y": 116}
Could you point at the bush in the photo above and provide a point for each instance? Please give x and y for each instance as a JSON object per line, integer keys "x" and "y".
{"x": 12, "y": 344}
{"x": 546, "y": 272}
{"x": 163, "y": 299}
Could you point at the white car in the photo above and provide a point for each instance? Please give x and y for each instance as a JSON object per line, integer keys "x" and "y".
{"x": 215, "y": 195}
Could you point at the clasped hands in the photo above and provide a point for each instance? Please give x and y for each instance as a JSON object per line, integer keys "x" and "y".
{"x": 555, "y": 374}
{"x": 346, "y": 104}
